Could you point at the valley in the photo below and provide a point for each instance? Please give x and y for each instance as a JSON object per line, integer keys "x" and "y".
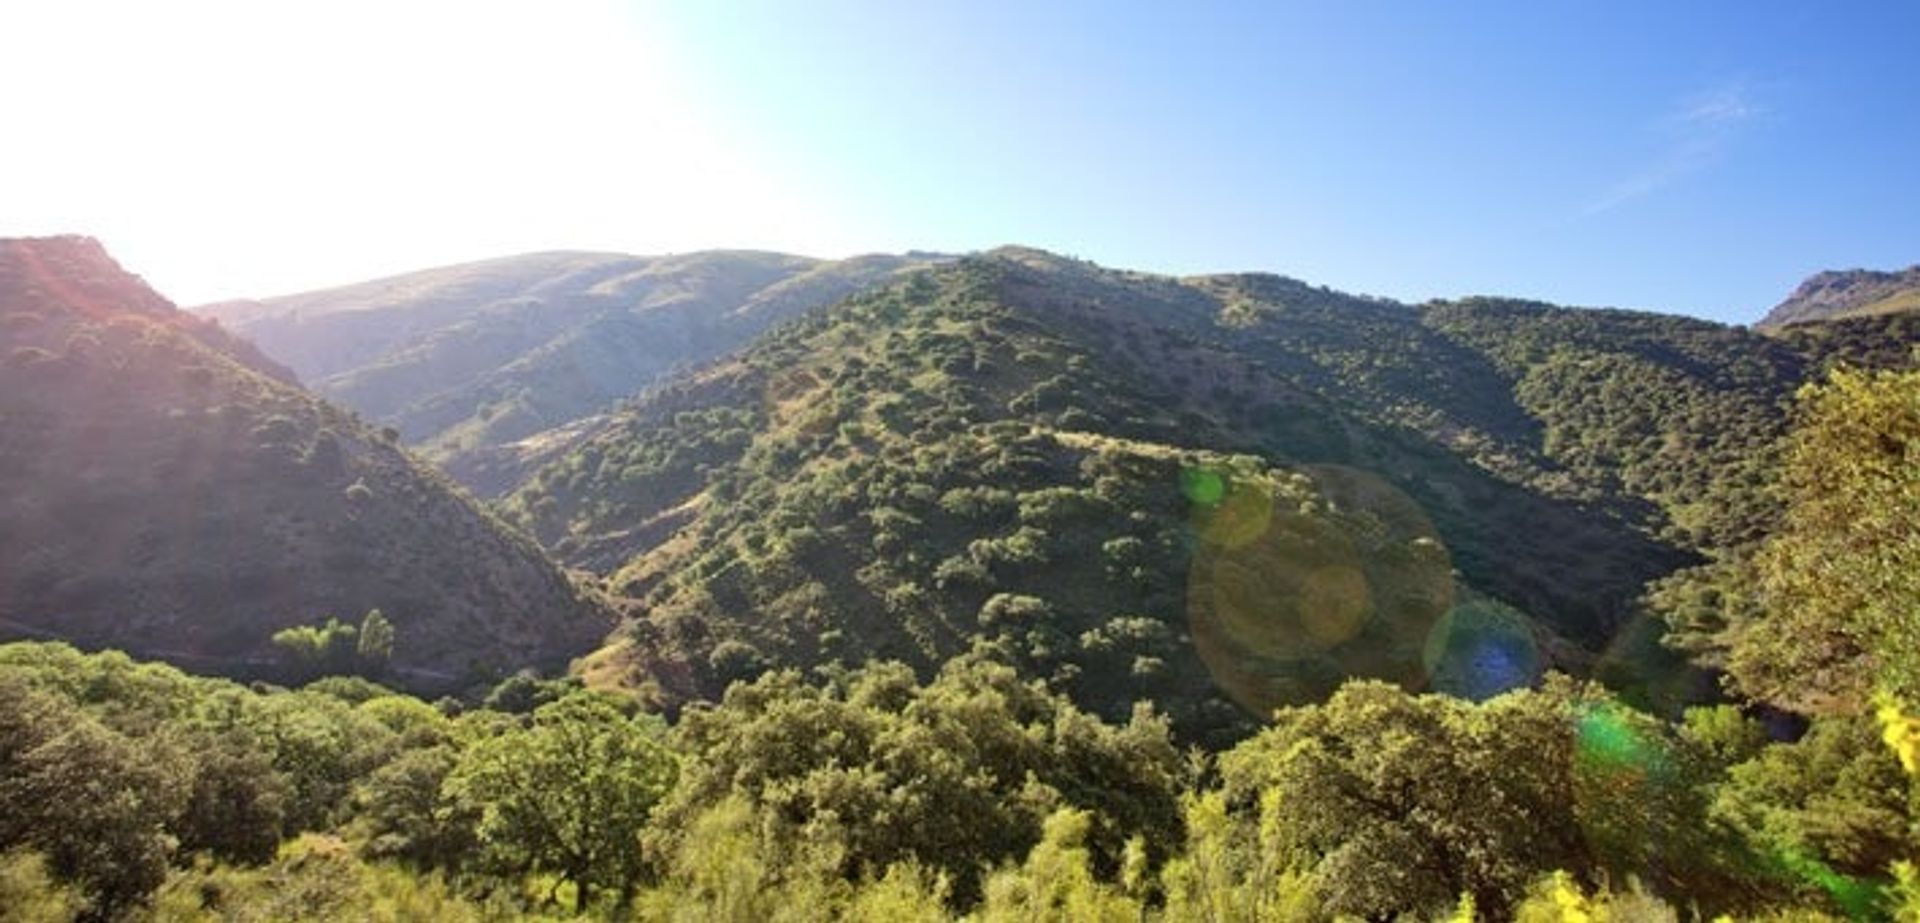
{"x": 848, "y": 546}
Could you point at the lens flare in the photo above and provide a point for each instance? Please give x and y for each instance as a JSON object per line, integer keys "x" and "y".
{"x": 1861, "y": 900}
{"x": 1605, "y": 740}
{"x": 1300, "y": 581}
{"x": 1481, "y": 649}
{"x": 1644, "y": 671}
{"x": 1202, "y": 486}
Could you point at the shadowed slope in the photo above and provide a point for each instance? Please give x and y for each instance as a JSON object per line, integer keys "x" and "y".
{"x": 163, "y": 496}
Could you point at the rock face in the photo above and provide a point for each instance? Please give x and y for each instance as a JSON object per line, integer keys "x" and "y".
{"x": 166, "y": 490}
{"x": 1848, "y": 293}
{"x": 467, "y": 360}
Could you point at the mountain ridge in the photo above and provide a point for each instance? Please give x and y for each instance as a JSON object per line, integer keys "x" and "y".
{"x": 880, "y": 472}
{"x": 1836, "y": 294}
{"x": 169, "y": 496}
{"x": 467, "y": 359}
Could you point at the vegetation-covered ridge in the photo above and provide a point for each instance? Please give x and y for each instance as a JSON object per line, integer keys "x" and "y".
{"x": 1226, "y": 488}
{"x": 162, "y": 492}
{"x": 827, "y": 758}
{"x": 466, "y": 361}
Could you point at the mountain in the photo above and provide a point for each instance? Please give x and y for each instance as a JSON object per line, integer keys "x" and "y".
{"x": 166, "y": 490}
{"x": 465, "y": 360}
{"x": 1848, "y": 293}
{"x": 1217, "y": 493}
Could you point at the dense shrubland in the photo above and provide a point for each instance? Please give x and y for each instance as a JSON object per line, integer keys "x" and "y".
{"x": 134, "y": 791}
{"x": 130, "y": 790}
{"x": 996, "y": 451}
{"x": 1025, "y": 590}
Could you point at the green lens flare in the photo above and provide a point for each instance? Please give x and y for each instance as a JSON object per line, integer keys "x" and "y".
{"x": 1201, "y": 486}
{"x": 1605, "y": 738}
{"x": 1859, "y": 899}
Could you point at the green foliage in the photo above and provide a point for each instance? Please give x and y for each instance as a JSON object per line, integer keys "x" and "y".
{"x": 313, "y": 651}
{"x": 28, "y": 894}
{"x": 410, "y": 815}
{"x": 95, "y": 803}
{"x": 336, "y": 649}
{"x": 874, "y": 770}
{"x": 1394, "y": 803}
{"x": 1841, "y": 579}
{"x": 569, "y": 793}
{"x": 375, "y": 646}
{"x": 872, "y": 796}
{"x": 1228, "y": 874}
{"x": 1057, "y": 883}
{"x": 525, "y": 691}
{"x": 1833, "y": 805}
{"x": 1723, "y": 733}
{"x": 237, "y": 807}
{"x": 859, "y": 484}
{"x": 1646, "y": 407}
{"x": 315, "y": 879}
{"x": 1558, "y": 898}
{"x": 1819, "y": 614}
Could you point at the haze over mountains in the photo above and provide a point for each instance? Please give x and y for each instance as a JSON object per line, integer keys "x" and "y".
{"x": 169, "y": 492}
{"x": 463, "y": 360}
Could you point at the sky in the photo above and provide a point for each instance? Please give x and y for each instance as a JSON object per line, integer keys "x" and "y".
{"x": 1698, "y": 157}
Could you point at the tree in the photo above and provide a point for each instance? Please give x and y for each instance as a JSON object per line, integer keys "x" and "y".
{"x": 337, "y": 648}
{"x": 411, "y": 815}
{"x": 1392, "y": 802}
{"x": 1840, "y": 580}
{"x": 236, "y": 808}
{"x": 952, "y": 777}
{"x": 375, "y": 646}
{"x": 569, "y": 793}
{"x": 1832, "y": 805}
{"x": 310, "y": 652}
{"x": 92, "y": 801}
{"x": 1057, "y": 881}
{"x": 28, "y": 894}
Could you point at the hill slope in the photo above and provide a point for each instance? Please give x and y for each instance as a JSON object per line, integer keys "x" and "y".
{"x": 1227, "y": 488}
{"x": 1849, "y": 293}
{"x": 161, "y": 492}
{"x": 464, "y": 359}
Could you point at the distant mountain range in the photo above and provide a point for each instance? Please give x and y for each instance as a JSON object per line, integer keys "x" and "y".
{"x": 1848, "y": 293}
{"x": 166, "y": 490}
{"x": 465, "y": 360}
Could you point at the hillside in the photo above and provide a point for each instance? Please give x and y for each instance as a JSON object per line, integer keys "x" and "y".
{"x": 1848, "y": 293}
{"x": 161, "y": 491}
{"x": 948, "y": 535}
{"x": 1135, "y": 484}
{"x": 464, "y": 360}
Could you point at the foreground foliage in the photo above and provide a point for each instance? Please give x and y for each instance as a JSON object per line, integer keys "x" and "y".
{"x": 134, "y": 791}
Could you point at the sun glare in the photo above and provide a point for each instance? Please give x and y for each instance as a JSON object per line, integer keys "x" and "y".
{"x": 231, "y": 148}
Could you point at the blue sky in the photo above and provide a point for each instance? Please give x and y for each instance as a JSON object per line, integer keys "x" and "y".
{"x": 1691, "y": 157}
